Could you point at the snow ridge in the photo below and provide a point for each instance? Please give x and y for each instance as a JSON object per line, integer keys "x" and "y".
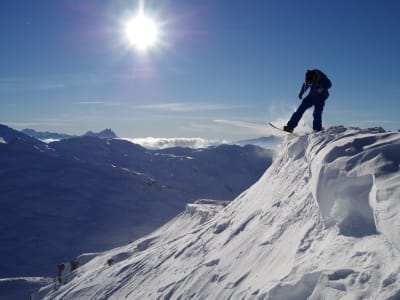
{"x": 322, "y": 223}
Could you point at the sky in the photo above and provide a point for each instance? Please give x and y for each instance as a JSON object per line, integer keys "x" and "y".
{"x": 221, "y": 69}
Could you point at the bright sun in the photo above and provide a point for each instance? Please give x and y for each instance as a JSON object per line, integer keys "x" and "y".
{"x": 142, "y": 32}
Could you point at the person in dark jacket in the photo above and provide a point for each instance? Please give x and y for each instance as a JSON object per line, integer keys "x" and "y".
{"x": 319, "y": 85}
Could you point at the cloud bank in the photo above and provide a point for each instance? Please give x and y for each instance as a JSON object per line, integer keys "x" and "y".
{"x": 162, "y": 143}
{"x": 186, "y": 107}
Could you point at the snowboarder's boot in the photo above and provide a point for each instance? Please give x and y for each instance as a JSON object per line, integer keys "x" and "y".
{"x": 288, "y": 129}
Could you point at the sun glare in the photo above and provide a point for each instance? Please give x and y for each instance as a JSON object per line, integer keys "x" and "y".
{"x": 142, "y": 32}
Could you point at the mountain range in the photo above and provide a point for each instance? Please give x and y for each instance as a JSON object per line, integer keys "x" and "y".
{"x": 86, "y": 194}
{"x": 47, "y": 136}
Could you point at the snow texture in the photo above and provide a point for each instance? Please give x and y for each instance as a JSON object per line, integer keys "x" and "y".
{"x": 322, "y": 223}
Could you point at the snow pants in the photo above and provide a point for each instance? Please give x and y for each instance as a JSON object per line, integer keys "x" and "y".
{"x": 312, "y": 99}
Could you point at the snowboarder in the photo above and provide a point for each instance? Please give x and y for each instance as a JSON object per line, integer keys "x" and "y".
{"x": 319, "y": 84}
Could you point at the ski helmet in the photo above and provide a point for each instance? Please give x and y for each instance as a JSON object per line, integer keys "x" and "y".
{"x": 312, "y": 76}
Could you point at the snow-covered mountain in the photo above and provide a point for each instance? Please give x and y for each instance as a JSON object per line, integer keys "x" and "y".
{"x": 322, "y": 223}
{"x": 104, "y": 134}
{"x": 45, "y": 135}
{"x": 9, "y": 135}
{"x": 85, "y": 194}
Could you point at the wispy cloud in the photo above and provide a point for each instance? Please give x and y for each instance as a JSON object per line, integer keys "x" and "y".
{"x": 91, "y": 102}
{"x": 391, "y": 124}
{"x": 101, "y": 103}
{"x": 136, "y": 73}
{"x": 35, "y": 123}
{"x": 50, "y": 86}
{"x": 377, "y": 121}
{"x": 186, "y": 107}
{"x": 15, "y": 83}
{"x": 252, "y": 127}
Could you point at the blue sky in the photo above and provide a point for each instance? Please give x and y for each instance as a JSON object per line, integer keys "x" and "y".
{"x": 222, "y": 69}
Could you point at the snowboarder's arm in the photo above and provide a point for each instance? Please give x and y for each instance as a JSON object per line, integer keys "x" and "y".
{"x": 304, "y": 88}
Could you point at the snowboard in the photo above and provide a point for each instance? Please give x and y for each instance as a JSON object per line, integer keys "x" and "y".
{"x": 278, "y": 128}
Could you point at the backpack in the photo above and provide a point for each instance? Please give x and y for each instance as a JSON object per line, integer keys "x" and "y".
{"x": 324, "y": 81}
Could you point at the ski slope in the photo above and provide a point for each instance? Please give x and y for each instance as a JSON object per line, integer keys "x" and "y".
{"x": 323, "y": 222}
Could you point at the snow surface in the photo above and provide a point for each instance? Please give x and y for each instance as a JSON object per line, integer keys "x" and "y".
{"x": 2, "y": 141}
{"x": 322, "y": 223}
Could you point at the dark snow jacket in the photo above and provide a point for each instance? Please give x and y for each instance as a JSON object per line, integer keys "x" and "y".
{"x": 320, "y": 88}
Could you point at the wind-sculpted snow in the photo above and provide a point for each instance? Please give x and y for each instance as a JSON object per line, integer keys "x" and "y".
{"x": 358, "y": 184}
{"x": 322, "y": 223}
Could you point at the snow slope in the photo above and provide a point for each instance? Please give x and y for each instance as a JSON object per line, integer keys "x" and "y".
{"x": 322, "y": 223}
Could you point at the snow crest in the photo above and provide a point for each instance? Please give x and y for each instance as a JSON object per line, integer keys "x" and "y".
{"x": 322, "y": 223}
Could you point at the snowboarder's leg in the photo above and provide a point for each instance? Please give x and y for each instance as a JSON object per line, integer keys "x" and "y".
{"x": 305, "y": 104}
{"x": 318, "y": 108}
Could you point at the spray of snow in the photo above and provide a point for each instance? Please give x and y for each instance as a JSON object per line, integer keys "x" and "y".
{"x": 304, "y": 126}
{"x": 322, "y": 223}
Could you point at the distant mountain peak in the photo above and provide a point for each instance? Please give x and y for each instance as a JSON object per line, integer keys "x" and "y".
{"x": 107, "y": 133}
{"x": 45, "y": 135}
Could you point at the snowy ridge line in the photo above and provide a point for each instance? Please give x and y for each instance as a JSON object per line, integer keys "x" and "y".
{"x": 321, "y": 223}
{"x": 140, "y": 174}
{"x": 173, "y": 156}
{"x": 201, "y": 210}
{"x": 29, "y": 279}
